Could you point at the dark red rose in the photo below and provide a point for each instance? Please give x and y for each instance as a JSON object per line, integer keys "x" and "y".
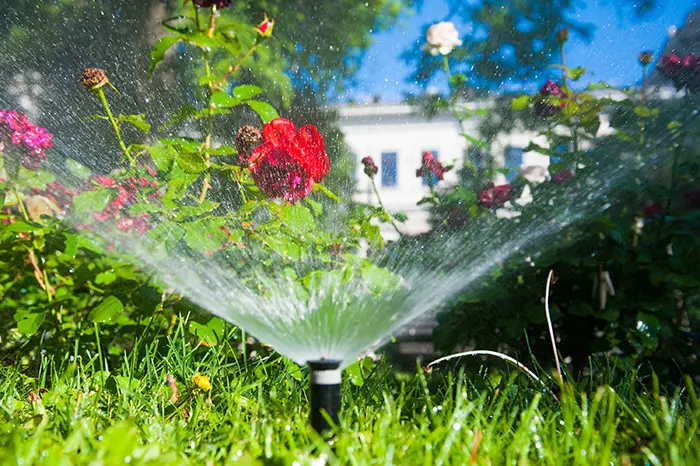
{"x": 496, "y": 196}
{"x": 693, "y": 197}
{"x": 371, "y": 168}
{"x": 431, "y": 165}
{"x": 550, "y": 99}
{"x": 562, "y": 176}
{"x": 210, "y": 3}
{"x": 684, "y": 72}
{"x": 653, "y": 210}
{"x": 288, "y": 163}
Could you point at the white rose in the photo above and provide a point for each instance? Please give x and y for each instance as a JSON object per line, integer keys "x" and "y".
{"x": 442, "y": 38}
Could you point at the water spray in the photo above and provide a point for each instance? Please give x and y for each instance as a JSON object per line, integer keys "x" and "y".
{"x": 325, "y": 393}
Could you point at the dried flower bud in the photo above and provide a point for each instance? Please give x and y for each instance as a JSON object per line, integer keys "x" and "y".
{"x": 94, "y": 78}
{"x": 371, "y": 168}
{"x": 645, "y": 58}
{"x": 210, "y": 3}
{"x": 247, "y": 138}
{"x": 562, "y": 35}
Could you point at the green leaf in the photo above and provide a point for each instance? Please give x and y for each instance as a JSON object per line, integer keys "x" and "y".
{"x": 245, "y": 91}
{"x": 106, "y": 310}
{"x": 162, "y": 156}
{"x": 105, "y": 278}
{"x": 317, "y": 207}
{"x": 285, "y": 247}
{"x": 266, "y": 111}
{"x": 195, "y": 210}
{"x": 326, "y": 191}
{"x": 298, "y": 218}
{"x": 167, "y": 233}
{"x": 72, "y": 242}
{"x": 77, "y": 169}
{"x": 91, "y": 201}
{"x": 520, "y": 103}
{"x": 139, "y": 121}
{"x": 158, "y": 52}
{"x": 380, "y": 279}
{"x": 205, "y": 236}
{"x": 191, "y": 162}
{"x": 211, "y": 333}
{"x": 576, "y": 73}
{"x": 222, "y": 99}
{"x": 178, "y": 116}
{"x": 28, "y": 322}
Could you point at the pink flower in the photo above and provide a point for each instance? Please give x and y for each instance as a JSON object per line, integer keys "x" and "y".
{"x": 495, "y": 196}
{"x": 431, "y": 165}
{"x": 562, "y": 176}
{"x": 550, "y": 99}
{"x": 31, "y": 138}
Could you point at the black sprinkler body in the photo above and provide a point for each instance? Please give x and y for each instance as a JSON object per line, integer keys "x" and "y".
{"x": 325, "y": 393}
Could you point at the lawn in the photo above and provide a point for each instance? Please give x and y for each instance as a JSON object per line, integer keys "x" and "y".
{"x": 68, "y": 411}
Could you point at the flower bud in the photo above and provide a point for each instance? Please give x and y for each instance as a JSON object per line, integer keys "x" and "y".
{"x": 645, "y": 58}
{"x": 562, "y": 35}
{"x": 264, "y": 29}
{"x": 247, "y": 138}
{"x": 94, "y": 78}
{"x": 371, "y": 168}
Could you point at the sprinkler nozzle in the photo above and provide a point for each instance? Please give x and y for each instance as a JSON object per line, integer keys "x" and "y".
{"x": 325, "y": 393}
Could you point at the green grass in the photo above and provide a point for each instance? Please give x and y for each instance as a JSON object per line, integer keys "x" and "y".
{"x": 257, "y": 413}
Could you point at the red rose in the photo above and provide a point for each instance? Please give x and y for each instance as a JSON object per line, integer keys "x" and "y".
{"x": 288, "y": 163}
{"x": 562, "y": 176}
{"x": 495, "y": 196}
{"x": 431, "y": 165}
{"x": 653, "y": 210}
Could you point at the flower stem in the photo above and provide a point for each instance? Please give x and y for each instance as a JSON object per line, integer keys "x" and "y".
{"x": 20, "y": 204}
{"x": 563, "y": 65}
{"x": 644, "y": 84}
{"x": 237, "y": 66}
{"x": 381, "y": 204}
{"x": 103, "y": 99}
{"x": 210, "y": 108}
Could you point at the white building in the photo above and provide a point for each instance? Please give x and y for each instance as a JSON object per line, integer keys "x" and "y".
{"x": 396, "y": 136}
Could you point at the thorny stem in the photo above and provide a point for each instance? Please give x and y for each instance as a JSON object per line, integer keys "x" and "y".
{"x": 103, "y": 99}
{"x": 644, "y": 84}
{"x": 381, "y": 204}
{"x": 238, "y": 65}
{"x": 32, "y": 253}
{"x": 210, "y": 106}
{"x": 563, "y": 64}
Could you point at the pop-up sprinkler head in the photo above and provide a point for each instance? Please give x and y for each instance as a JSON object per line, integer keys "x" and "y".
{"x": 325, "y": 393}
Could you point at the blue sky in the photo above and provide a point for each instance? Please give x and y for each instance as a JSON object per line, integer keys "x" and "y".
{"x": 611, "y": 54}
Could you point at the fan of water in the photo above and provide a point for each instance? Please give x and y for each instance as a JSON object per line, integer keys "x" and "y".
{"x": 336, "y": 317}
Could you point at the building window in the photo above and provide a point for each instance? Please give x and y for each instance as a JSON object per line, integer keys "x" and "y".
{"x": 513, "y": 159}
{"x": 388, "y": 168}
{"x": 432, "y": 176}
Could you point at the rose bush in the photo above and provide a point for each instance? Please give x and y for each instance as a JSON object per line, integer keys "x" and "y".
{"x": 254, "y": 193}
